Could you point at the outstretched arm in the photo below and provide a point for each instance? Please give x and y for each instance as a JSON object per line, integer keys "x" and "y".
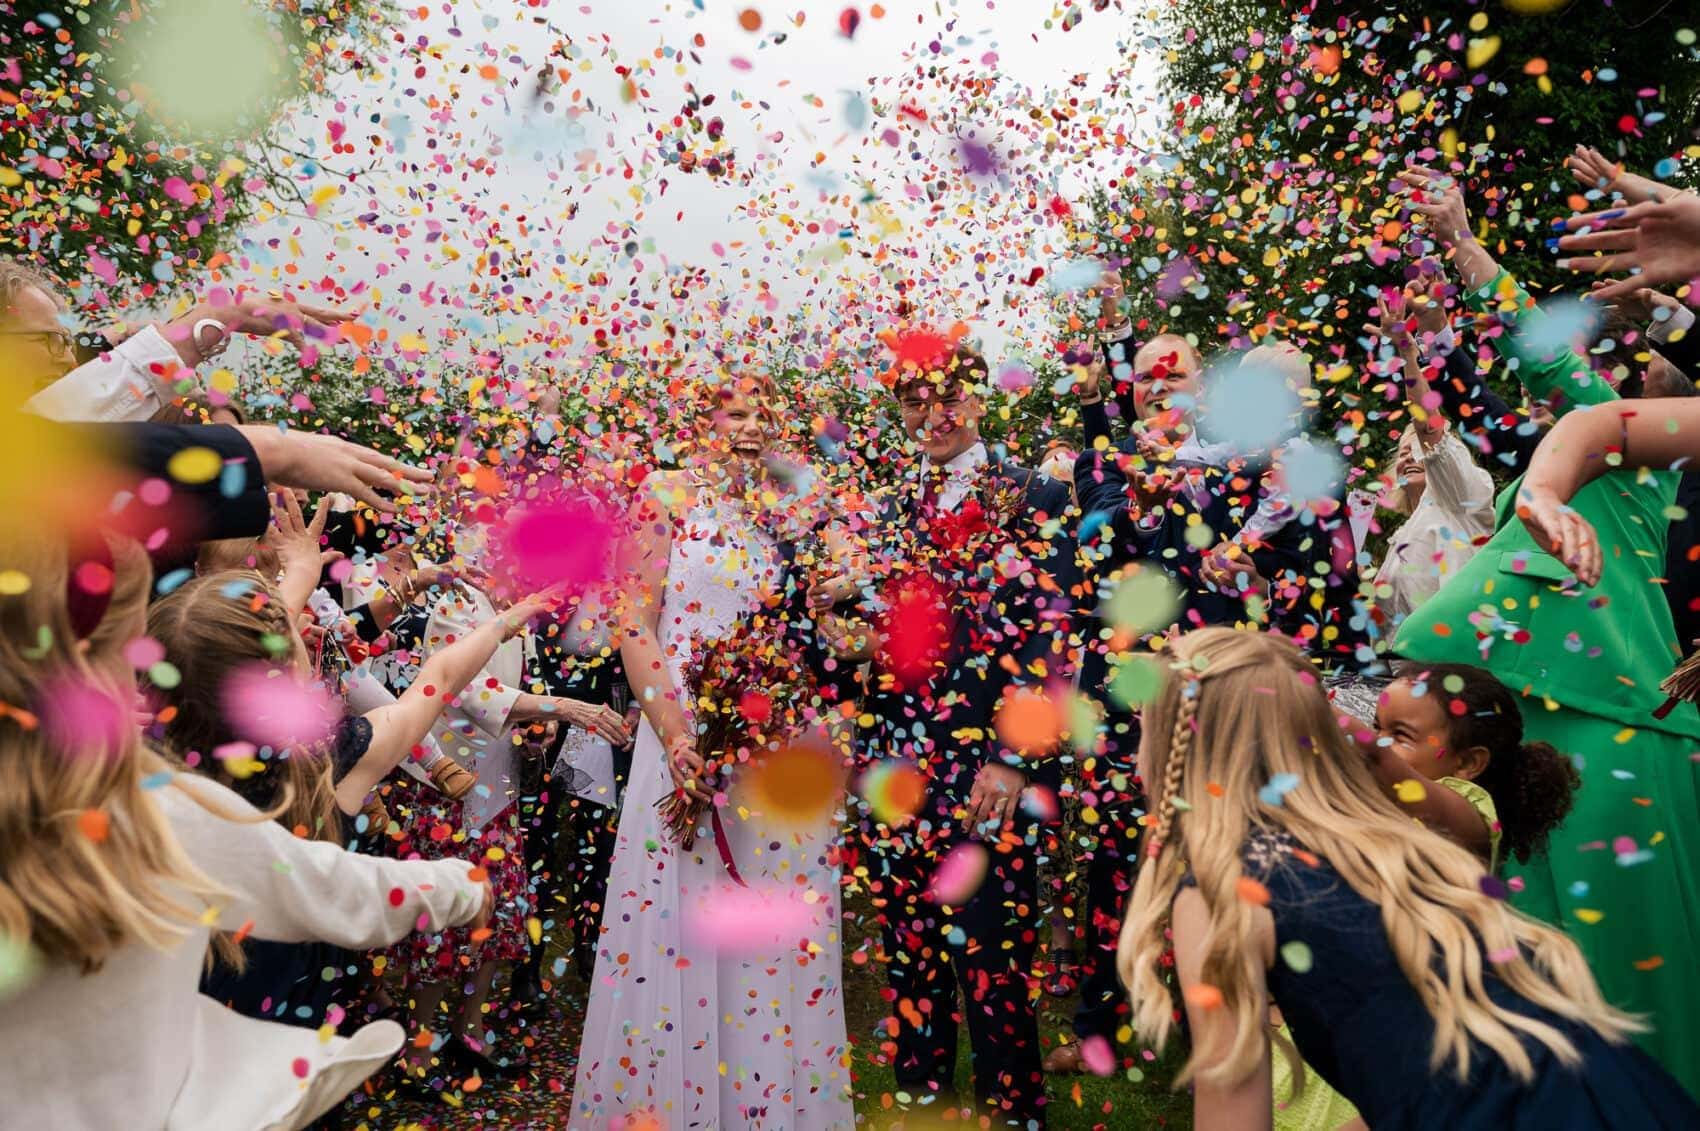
{"x": 1658, "y": 434}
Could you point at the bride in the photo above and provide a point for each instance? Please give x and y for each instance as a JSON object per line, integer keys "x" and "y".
{"x": 715, "y": 1004}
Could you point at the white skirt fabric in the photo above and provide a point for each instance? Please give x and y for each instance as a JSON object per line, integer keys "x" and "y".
{"x": 716, "y": 1006}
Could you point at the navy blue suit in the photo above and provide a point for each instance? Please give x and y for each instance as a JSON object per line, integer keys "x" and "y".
{"x": 946, "y": 727}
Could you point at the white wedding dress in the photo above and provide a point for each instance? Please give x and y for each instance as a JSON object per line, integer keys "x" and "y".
{"x": 713, "y": 1005}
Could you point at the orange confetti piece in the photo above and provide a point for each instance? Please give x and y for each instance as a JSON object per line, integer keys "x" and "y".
{"x": 479, "y": 934}
{"x": 1251, "y": 891}
{"x": 1652, "y": 963}
{"x": 1214, "y": 789}
{"x": 94, "y": 824}
{"x": 1204, "y": 996}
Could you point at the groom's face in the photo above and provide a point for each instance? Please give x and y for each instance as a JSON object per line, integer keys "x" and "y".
{"x": 942, "y": 417}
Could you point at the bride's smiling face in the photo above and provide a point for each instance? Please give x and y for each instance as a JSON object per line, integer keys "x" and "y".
{"x": 741, "y": 426}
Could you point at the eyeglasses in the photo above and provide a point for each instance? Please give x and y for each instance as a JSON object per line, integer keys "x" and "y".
{"x": 60, "y": 344}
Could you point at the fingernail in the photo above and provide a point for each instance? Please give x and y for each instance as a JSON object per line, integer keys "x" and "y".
{"x": 1559, "y": 222}
{"x": 1552, "y": 243}
{"x": 1613, "y": 214}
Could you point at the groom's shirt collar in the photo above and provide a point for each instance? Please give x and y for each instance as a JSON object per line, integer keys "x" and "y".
{"x": 960, "y": 472}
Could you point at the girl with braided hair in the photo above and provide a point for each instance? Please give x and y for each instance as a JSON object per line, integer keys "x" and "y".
{"x": 1287, "y": 876}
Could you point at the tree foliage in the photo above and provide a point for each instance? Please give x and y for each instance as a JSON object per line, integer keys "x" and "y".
{"x": 1268, "y": 207}
{"x": 136, "y": 130}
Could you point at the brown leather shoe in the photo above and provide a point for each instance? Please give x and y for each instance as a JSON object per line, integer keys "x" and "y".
{"x": 453, "y": 779}
{"x": 1064, "y": 1060}
{"x": 377, "y": 816}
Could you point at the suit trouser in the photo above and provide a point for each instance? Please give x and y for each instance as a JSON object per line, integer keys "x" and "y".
{"x": 1118, "y": 801}
{"x": 985, "y": 946}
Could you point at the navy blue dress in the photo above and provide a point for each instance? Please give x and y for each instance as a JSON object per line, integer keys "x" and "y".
{"x": 1359, "y": 1023}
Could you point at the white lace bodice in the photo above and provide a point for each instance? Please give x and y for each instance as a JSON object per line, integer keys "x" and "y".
{"x": 720, "y": 567}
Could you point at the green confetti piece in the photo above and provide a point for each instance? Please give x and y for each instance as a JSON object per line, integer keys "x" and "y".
{"x": 1145, "y": 601}
{"x": 164, "y": 675}
{"x": 18, "y": 964}
{"x": 1297, "y": 956}
{"x": 1136, "y": 682}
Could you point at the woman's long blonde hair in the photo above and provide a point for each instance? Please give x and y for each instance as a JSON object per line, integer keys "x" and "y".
{"x": 1241, "y": 708}
{"x": 88, "y": 862}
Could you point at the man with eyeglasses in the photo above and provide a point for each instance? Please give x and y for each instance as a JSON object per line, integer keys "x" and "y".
{"x": 127, "y": 373}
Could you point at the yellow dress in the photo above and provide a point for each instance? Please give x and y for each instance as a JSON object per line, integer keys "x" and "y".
{"x": 1319, "y": 1107}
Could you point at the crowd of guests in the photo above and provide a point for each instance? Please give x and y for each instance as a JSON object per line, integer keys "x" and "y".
{"x": 1396, "y": 839}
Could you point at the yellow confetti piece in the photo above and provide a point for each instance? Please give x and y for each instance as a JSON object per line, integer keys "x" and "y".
{"x": 13, "y": 583}
{"x": 534, "y": 928}
{"x": 325, "y": 194}
{"x": 195, "y": 465}
{"x": 1623, "y": 735}
{"x": 1410, "y": 100}
{"x": 10, "y": 177}
{"x": 1410, "y": 791}
{"x": 1479, "y": 51}
{"x": 1589, "y": 916}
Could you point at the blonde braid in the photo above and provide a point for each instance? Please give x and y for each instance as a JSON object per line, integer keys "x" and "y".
{"x": 1180, "y": 741}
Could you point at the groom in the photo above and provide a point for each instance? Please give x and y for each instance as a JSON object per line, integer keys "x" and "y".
{"x": 981, "y": 572}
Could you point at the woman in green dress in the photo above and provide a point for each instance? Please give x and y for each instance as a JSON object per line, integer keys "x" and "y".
{"x": 1622, "y": 874}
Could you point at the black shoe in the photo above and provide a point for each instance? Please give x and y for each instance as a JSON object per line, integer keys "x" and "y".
{"x": 460, "y": 1057}
{"x": 526, "y": 992}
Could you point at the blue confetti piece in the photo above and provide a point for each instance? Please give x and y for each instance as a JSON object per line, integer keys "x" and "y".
{"x": 1279, "y": 786}
{"x": 1579, "y": 889}
{"x": 235, "y": 590}
{"x": 233, "y": 479}
{"x": 155, "y": 781}
{"x": 172, "y": 580}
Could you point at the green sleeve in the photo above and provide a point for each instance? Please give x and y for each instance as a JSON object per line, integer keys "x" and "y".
{"x": 1542, "y": 373}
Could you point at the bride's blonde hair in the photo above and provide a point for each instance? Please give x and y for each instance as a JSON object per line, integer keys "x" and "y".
{"x": 88, "y": 862}
{"x": 1241, "y": 708}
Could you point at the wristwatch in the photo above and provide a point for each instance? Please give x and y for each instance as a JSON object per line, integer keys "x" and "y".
{"x": 90, "y": 345}
{"x": 221, "y": 338}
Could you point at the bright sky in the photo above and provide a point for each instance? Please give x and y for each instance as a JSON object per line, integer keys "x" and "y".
{"x": 797, "y": 114}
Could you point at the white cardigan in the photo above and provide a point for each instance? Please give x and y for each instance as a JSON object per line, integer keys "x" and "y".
{"x": 136, "y": 1045}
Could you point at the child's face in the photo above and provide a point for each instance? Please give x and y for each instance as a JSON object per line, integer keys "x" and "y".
{"x": 1415, "y": 728}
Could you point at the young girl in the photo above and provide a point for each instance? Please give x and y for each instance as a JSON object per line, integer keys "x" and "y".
{"x": 1447, "y": 742}
{"x": 1457, "y": 726}
{"x": 228, "y": 624}
{"x": 1286, "y": 874}
{"x": 115, "y": 871}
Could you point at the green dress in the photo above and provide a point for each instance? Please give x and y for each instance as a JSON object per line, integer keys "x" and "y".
{"x": 1622, "y": 874}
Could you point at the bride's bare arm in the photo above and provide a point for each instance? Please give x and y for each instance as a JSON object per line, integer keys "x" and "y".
{"x": 649, "y": 543}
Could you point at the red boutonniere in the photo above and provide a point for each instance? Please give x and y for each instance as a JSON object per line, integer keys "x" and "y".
{"x": 956, "y": 531}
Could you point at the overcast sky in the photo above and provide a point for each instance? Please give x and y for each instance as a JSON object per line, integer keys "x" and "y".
{"x": 562, "y": 168}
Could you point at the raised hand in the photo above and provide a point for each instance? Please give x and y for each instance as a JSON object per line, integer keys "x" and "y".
{"x": 1561, "y": 532}
{"x": 1653, "y": 243}
{"x": 1591, "y": 167}
{"x": 1394, "y": 321}
{"x": 1425, "y": 297}
{"x": 296, "y": 543}
{"x": 1439, "y": 200}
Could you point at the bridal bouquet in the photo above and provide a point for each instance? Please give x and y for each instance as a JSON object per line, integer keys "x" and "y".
{"x": 747, "y": 692}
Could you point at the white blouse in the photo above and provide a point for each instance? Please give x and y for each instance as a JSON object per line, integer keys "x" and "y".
{"x": 1453, "y": 518}
{"x": 136, "y": 1045}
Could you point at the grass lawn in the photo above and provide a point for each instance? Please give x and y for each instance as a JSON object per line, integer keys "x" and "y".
{"x": 1137, "y": 1099}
